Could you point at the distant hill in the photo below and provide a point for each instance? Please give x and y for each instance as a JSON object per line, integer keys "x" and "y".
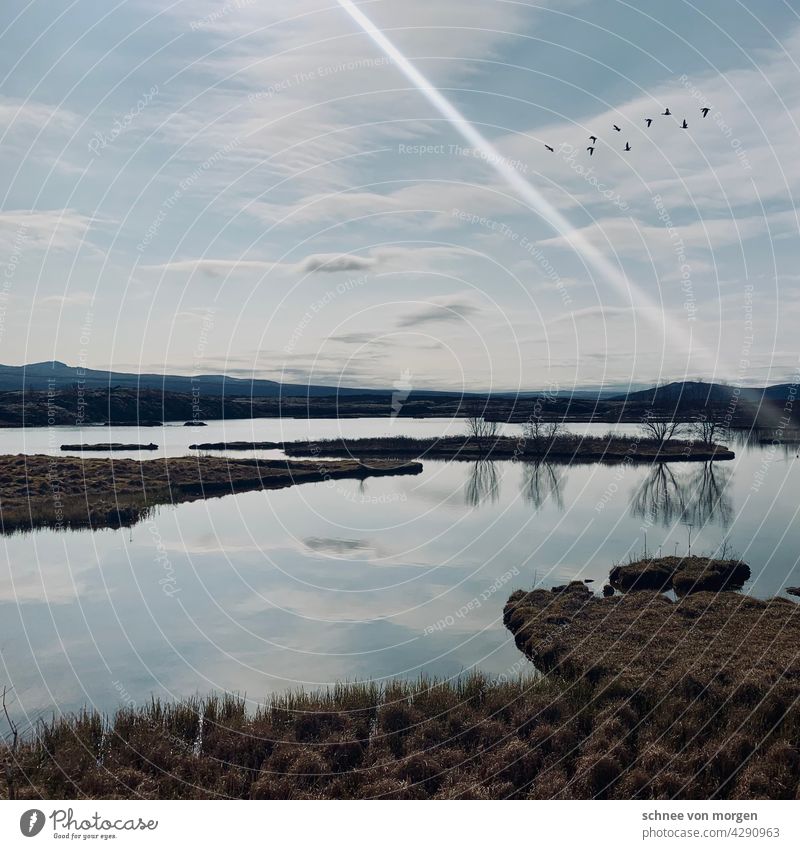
{"x": 51, "y": 393}
{"x": 769, "y": 406}
{"x": 55, "y": 375}
{"x": 697, "y": 393}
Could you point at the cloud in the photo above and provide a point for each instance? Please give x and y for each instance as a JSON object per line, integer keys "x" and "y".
{"x": 592, "y": 313}
{"x": 212, "y": 267}
{"x": 36, "y": 134}
{"x": 635, "y": 238}
{"x": 356, "y": 338}
{"x": 444, "y": 309}
{"x": 331, "y": 263}
{"x": 383, "y": 258}
{"x": 297, "y": 79}
{"x": 68, "y": 299}
{"x": 27, "y": 114}
{"x": 45, "y": 229}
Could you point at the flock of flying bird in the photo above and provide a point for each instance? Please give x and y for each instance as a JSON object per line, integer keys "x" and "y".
{"x": 593, "y": 139}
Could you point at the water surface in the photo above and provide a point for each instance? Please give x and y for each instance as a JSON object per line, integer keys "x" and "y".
{"x": 262, "y": 591}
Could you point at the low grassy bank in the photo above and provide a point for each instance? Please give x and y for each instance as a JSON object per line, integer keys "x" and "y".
{"x": 564, "y": 448}
{"x": 74, "y": 492}
{"x": 110, "y": 446}
{"x": 641, "y": 697}
{"x": 235, "y": 446}
{"x": 700, "y": 695}
{"x": 682, "y": 574}
{"x": 469, "y": 739}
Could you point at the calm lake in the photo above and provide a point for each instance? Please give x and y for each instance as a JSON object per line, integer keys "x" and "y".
{"x": 394, "y": 576}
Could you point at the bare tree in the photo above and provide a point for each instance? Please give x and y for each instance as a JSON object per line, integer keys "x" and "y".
{"x": 706, "y": 429}
{"x": 660, "y": 429}
{"x": 540, "y": 435}
{"x": 479, "y": 429}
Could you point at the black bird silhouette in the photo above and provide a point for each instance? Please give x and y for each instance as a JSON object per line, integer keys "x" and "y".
{"x": 591, "y": 151}
{"x": 592, "y": 139}
{"x": 648, "y": 121}
{"x": 627, "y": 146}
{"x": 666, "y": 111}
{"x": 705, "y": 110}
{"x": 684, "y": 125}
{"x": 550, "y": 148}
{"x": 617, "y": 128}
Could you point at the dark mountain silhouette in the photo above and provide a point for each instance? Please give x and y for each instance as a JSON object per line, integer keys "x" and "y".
{"x": 688, "y": 391}
{"x": 55, "y": 393}
{"x": 55, "y": 375}
{"x": 699, "y": 394}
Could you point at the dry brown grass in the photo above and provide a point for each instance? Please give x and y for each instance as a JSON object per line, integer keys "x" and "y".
{"x": 644, "y": 698}
{"x": 709, "y": 686}
{"x": 75, "y": 492}
{"x": 610, "y": 448}
{"x": 467, "y": 739}
{"x": 682, "y": 574}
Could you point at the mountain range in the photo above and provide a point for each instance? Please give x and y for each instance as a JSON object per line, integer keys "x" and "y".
{"x": 56, "y": 376}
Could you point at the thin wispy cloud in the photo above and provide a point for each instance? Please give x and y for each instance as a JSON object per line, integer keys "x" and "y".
{"x": 283, "y": 155}
{"x": 439, "y": 310}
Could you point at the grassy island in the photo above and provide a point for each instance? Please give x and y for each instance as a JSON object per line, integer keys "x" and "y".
{"x": 564, "y": 448}
{"x": 235, "y": 446}
{"x": 682, "y": 574}
{"x": 110, "y": 446}
{"x": 74, "y": 492}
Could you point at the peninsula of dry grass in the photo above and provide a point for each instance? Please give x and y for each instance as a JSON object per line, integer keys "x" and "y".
{"x": 110, "y": 446}
{"x": 75, "y": 492}
{"x": 694, "y": 698}
{"x": 570, "y": 448}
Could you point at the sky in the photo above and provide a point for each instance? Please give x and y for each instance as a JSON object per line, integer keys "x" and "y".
{"x": 255, "y": 188}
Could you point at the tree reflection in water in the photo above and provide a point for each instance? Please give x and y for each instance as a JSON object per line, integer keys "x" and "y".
{"x": 540, "y": 481}
{"x": 700, "y": 496}
{"x": 482, "y": 483}
{"x": 661, "y": 496}
{"x": 710, "y": 499}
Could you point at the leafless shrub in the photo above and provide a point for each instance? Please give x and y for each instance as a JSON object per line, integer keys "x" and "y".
{"x": 540, "y": 435}
{"x": 659, "y": 429}
{"x": 708, "y": 429}
{"x": 479, "y": 429}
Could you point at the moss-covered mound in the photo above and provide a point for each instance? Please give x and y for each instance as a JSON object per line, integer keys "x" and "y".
{"x": 708, "y": 686}
{"x": 682, "y": 574}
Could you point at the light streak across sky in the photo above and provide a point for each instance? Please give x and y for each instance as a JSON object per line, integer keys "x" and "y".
{"x": 674, "y": 333}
